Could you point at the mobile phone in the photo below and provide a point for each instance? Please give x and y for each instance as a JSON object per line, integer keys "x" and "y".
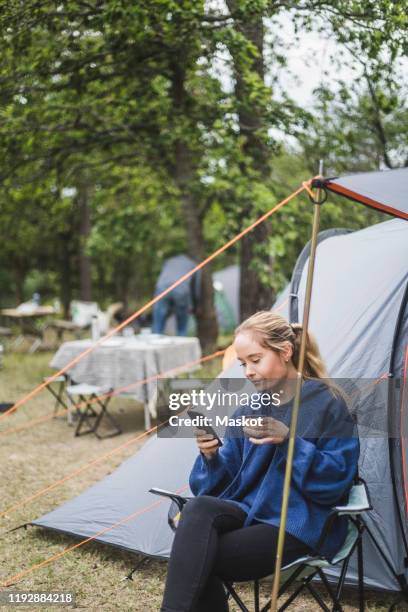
{"x": 207, "y": 428}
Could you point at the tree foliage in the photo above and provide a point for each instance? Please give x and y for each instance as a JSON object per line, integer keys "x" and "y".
{"x": 127, "y": 102}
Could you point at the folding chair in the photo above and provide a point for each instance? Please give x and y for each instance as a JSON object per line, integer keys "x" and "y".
{"x": 311, "y": 566}
{"x": 57, "y": 389}
{"x": 81, "y": 313}
{"x": 93, "y": 408}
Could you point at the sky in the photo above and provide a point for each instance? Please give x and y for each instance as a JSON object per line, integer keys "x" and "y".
{"x": 309, "y": 59}
{"x": 308, "y": 63}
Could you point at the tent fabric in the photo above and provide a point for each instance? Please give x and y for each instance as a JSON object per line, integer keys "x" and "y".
{"x": 359, "y": 284}
{"x": 385, "y": 190}
{"x": 299, "y": 269}
{"x": 227, "y": 282}
{"x": 161, "y": 462}
{"x": 226, "y": 301}
{"x": 399, "y": 416}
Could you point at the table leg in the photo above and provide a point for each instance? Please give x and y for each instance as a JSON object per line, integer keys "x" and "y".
{"x": 35, "y": 345}
{"x": 147, "y": 419}
{"x": 19, "y": 340}
{"x": 146, "y": 404}
{"x": 71, "y": 403}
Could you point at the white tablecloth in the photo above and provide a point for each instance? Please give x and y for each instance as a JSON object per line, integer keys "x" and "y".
{"x": 122, "y": 361}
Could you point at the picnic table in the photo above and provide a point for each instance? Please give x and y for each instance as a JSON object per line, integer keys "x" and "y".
{"x": 121, "y": 362}
{"x": 27, "y": 318}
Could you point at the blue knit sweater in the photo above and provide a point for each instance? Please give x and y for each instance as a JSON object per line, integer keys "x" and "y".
{"x": 325, "y": 464}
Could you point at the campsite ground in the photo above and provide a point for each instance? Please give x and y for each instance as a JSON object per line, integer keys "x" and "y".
{"x": 37, "y": 456}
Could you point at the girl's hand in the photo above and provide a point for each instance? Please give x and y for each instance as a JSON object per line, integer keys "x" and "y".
{"x": 207, "y": 444}
{"x": 270, "y": 432}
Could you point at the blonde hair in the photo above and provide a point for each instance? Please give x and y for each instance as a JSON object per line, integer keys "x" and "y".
{"x": 273, "y": 331}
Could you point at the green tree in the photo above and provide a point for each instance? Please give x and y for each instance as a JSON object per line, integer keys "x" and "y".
{"x": 362, "y": 126}
{"x": 32, "y": 217}
{"x": 123, "y": 101}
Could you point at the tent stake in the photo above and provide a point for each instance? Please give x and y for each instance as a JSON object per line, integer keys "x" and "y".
{"x": 138, "y": 566}
{"x": 296, "y": 404}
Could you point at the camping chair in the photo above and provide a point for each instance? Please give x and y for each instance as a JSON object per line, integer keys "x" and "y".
{"x": 81, "y": 314}
{"x": 311, "y": 566}
{"x": 111, "y": 313}
{"x": 56, "y": 387}
{"x": 5, "y": 332}
{"x": 92, "y": 410}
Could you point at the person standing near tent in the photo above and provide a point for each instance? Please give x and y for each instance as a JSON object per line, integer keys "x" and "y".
{"x": 229, "y": 531}
{"x": 182, "y": 300}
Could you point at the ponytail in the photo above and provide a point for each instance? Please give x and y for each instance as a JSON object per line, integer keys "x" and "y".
{"x": 313, "y": 365}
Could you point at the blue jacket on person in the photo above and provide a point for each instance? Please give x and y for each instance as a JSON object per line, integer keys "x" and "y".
{"x": 324, "y": 467}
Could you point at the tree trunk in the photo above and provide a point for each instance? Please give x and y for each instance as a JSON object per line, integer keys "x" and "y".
{"x": 19, "y": 274}
{"x": 65, "y": 276}
{"x": 207, "y": 326}
{"x": 254, "y": 295}
{"x": 122, "y": 281}
{"x": 85, "y": 273}
{"x": 251, "y": 297}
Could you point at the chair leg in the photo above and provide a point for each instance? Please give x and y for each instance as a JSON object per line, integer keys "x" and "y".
{"x": 90, "y": 403}
{"x": 342, "y": 578}
{"x": 256, "y": 595}
{"x": 317, "y": 597}
{"x": 289, "y": 600}
{"x": 85, "y": 416}
{"x": 305, "y": 584}
{"x": 286, "y": 585}
{"x": 105, "y": 413}
{"x": 336, "y": 603}
{"x": 58, "y": 396}
{"x": 98, "y": 418}
{"x": 236, "y": 597}
{"x": 393, "y": 606}
{"x": 360, "y": 564}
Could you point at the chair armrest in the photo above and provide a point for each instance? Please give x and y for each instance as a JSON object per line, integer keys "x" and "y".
{"x": 358, "y": 502}
{"x": 178, "y": 499}
{"x": 351, "y": 509}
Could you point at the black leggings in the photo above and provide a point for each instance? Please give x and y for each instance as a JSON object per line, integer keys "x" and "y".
{"x": 211, "y": 545}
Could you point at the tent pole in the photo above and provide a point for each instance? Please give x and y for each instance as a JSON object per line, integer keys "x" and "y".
{"x": 296, "y": 404}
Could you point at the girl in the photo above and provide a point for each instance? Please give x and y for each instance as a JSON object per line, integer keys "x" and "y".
{"x": 229, "y": 531}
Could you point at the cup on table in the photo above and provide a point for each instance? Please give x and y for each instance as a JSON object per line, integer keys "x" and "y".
{"x": 128, "y": 331}
{"x": 95, "y": 329}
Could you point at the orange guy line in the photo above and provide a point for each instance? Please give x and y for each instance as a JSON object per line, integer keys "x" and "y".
{"x": 143, "y": 309}
{"x": 86, "y": 466}
{"x": 113, "y": 393}
{"x": 57, "y": 556}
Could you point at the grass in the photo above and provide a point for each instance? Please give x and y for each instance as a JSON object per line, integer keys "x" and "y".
{"x": 39, "y": 455}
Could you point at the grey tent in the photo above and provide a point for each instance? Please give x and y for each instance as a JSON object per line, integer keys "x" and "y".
{"x": 359, "y": 315}
{"x": 385, "y": 191}
{"x": 226, "y": 285}
{"x": 226, "y": 302}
